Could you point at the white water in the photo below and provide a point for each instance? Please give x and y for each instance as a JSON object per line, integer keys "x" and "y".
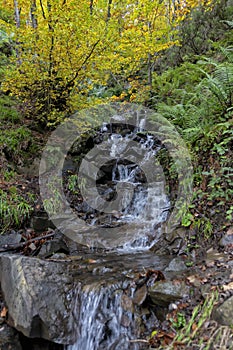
{"x": 144, "y": 204}
{"x": 101, "y": 324}
{"x": 100, "y": 316}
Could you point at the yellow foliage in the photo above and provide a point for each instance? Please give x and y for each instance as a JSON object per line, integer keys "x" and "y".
{"x": 64, "y": 48}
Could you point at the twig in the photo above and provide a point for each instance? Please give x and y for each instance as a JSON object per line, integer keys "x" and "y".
{"x": 138, "y": 341}
{"x": 8, "y": 247}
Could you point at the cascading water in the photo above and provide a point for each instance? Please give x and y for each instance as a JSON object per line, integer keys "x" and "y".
{"x": 145, "y": 205}
{"x": 102, "y": 321}
{"x": 103, "y": 324}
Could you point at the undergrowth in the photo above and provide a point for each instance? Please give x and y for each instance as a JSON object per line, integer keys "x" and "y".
{"x": 15, "y": 209}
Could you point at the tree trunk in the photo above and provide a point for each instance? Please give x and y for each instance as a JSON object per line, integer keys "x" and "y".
{"x": 17, "y": 14}
{"x": 33, "y": 14}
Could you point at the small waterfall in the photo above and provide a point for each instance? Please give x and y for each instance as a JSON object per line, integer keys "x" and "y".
{"x": 130, "y": 174}
{"x": 149, "y": 203}
{"x": 103, "y": 322}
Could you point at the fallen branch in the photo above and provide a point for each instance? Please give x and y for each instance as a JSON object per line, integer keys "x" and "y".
{"x": 138, "y": 341}
{"x": 13, "y": 246}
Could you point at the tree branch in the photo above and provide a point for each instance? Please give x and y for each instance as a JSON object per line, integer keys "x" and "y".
{"x": 8, "y": 247}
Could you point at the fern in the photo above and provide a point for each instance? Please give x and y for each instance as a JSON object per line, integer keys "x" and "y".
{"x": 219, "y": 82}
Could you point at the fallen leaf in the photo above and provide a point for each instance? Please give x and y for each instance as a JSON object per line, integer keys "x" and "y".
{"x": 3, "y": 313}
{"x": 230, "y": 231}
{"x": 91, "y": 261}
{"x": 194, "y": 326}
{"x": 228, "y": 286}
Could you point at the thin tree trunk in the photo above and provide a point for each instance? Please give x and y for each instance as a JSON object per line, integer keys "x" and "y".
{"x": 150, "y": 68}
{"x": 51, "y": 30}
{"x": 91, "y": 6}
{"x": 17, "y": 23}
{"x": 17, "y": 14}
{"x": 33, "y": 14}
{"x": 109, "y": 10}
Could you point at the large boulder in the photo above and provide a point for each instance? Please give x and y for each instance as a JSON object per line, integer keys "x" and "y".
{"x": 223, "y": 314}
{"x": 38, "y": 295}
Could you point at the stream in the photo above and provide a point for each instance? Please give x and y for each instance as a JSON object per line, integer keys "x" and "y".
{"x": 129, "y": 211}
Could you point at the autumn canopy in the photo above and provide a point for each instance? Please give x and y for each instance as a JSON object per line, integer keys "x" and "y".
{"x": 64, "y": 49}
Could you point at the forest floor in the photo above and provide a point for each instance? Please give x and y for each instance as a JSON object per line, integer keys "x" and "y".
{"x": 190, "y": 324}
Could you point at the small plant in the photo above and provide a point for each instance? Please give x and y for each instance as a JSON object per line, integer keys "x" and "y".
{"x": 229, "y": 213}
{"x": 54, "y": 203}
{"x": 204, "y": 226}
{"x": 73, "y": 184}
{"x": 179, "y": 322}
{"x": 201, "y": 313}
{"x": 14, "y": 142}
{"x": 187, "y": 219}
{"x": 8, "y": 112}
{"x": 9, "y": 175}
{"x": 14, "y": 209}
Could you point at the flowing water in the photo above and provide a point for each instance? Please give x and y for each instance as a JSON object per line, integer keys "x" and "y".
{"x": 134, "y": 189}
{"x": 100, "y": 326}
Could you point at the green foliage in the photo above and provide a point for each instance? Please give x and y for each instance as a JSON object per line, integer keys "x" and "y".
{"x": 6, "y": 14}
{"x": 218, "y": 85}
{"x": 6, "y": 50}
{"x": 179, "y": 322}
{"x": 176, "y": 85}
{"x": 15, "y": 142}
{"x": 188, "y": 335}
{"x": 72, "y": 184}
{"x": 53, "y": 204}
{"x": 14, "y": 209}
{"x": 8, "y": 112}
{"x": 229, "y": 213}
{"x": 198, "y": 100}
{"x": 65, "y": 51}
{"x": 198, "y": 33}
{"x": 204, "y": 226}
{"x": 9, "y": 175}
{"x": 187, "y": 219}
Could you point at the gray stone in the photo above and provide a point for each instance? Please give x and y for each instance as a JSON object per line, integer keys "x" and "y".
{"x": 9, "y": 338}
{"x": 177, "y": 264}
{"x": 223, "y": 314}
{"x": 140, "y": 295}
{"x": 225, "y": 240}
{"x": 51, "y": 247}
{"x": 164, "y": 292}
{"x": 12, "y": 238}
{"x": 38, "y": 297}
{"x": 41, "y": 222}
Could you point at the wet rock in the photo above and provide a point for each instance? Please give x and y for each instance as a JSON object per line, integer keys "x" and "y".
{"x": 126, "y": 303}
{"x": 140, "y": 295}
{"x": 174, "y": 235}
{"x": 226, "y": 240}
{"x": 172, "y": 241}
{"x": 223, "y": 314}
{"x": 164, "y": 292}
{"x": 82, "y": 143}
{"x": 40, "y": 222}
{"x": 175, "y": 246}
{"x": 10, "y": 238}
{"x": 38, "y": 344}
{"x": 38, "y": 295}
{"x": 9, "y": 339}
{"x": 84, "y": 208}
{"x": 177, "y": 264}
{"x": 56, "y": 299}
{"x": 55, "y": 246}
